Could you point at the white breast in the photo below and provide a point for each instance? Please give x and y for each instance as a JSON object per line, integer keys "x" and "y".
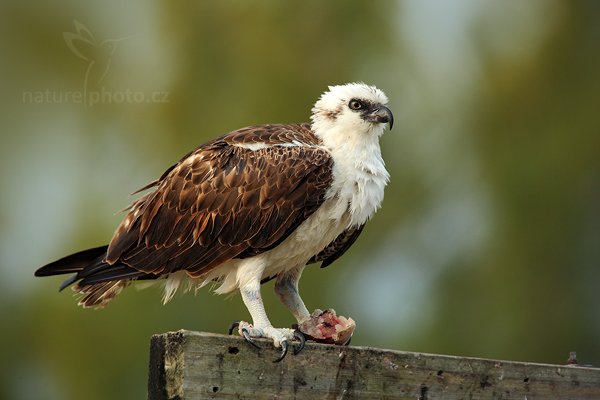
{"x": 359, "y": 173}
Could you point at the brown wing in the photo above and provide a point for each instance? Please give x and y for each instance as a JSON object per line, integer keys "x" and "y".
{"x": 338, "y": 247}
{"x": 224, "y": 201}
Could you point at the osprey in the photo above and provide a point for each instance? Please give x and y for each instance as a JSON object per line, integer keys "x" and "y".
{"x": 256, "y": 204}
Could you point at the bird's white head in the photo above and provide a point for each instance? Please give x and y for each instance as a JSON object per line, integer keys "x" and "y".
{"x": 351, "y": 109}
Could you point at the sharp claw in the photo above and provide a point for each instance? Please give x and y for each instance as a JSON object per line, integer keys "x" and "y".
{"x": 248, "y": 338}
{"x": 232, "y": 326}
{"x": 300, "y": 336}
{"x": 348, "y": 342}
{"x": 284, "y": 350}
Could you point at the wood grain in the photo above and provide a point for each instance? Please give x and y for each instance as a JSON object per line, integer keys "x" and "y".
{"x": 194, "y": 365}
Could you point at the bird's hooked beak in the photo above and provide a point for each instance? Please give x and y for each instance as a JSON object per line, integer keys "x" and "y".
{"x": 382, "y": 115}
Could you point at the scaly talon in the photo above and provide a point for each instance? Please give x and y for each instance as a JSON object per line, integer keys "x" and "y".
{"x": 232, "y": 327}
{"x": 283, "y": 338}
{"x": 248, "y": 338}
{"x": 300, "y": 336}
{"x": 284, "y": 350}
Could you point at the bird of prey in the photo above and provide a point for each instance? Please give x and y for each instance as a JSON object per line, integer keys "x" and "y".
{"x": 255, "y": 204}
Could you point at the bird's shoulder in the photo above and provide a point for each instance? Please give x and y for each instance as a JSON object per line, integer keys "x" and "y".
{"x": 271, "y": 135}
{"x": 271, "y": 138}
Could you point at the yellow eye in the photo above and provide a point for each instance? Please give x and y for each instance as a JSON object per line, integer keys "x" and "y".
{"x": 355, "y": 105}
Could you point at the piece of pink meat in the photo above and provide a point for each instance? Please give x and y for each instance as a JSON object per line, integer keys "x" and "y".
{"x": 328, "y": 327}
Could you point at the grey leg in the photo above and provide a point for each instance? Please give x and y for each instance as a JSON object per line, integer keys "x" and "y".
{"x": 286, "y": 287}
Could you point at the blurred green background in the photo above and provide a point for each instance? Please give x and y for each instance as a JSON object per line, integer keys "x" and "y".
{"x": 488, "y": 242}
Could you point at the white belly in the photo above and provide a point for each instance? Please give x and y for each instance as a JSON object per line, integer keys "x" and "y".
{"x": 312, "y": 236}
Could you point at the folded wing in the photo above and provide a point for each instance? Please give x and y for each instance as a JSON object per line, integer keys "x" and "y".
{"x": 235, "y": 197}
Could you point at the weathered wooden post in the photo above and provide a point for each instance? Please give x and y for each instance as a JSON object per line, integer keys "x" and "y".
{"x": 195, "y": 365}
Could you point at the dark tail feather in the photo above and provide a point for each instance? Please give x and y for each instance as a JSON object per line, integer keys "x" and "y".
{"x": 68, "y": 282}
{"x": 100, "y": 284}
{"x": 74, "y": 263}
{"x": 90, "y": 267}
{"x": 114, "y": 273}
{"x": 77, "y": 263}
